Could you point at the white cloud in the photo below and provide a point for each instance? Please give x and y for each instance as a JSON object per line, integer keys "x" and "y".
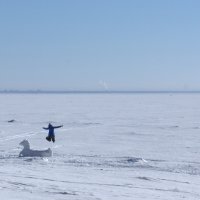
{"x": 103, "y": 84}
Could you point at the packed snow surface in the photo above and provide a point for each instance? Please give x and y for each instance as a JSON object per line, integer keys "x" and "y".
{"x": 112, "y": 146}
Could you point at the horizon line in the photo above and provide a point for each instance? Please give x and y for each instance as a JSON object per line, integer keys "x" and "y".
{"x": 93, "y": 91}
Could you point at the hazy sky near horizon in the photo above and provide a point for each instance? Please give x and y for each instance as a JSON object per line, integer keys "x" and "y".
{"x": 100, "y": 44}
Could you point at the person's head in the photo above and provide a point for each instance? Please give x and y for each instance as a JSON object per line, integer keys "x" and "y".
{"x": 50, "y": 125}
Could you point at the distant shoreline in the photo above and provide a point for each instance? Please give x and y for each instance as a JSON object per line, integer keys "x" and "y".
{"x": 94, "y": 92}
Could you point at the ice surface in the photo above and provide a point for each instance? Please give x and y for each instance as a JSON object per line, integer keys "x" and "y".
{"x": 112, "y": 146}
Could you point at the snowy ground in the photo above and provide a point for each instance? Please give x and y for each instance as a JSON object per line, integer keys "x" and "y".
{"x": 112, "y": 146}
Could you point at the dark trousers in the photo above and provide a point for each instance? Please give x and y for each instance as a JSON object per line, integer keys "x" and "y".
{"x": 49, "y": 138}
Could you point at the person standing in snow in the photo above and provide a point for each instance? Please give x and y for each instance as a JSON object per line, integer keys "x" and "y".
{"x": 51, "y": 135}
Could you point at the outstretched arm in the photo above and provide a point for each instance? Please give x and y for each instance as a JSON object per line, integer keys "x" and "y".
{"x": 45, "y": 128}
{"x": 58, "y": 126}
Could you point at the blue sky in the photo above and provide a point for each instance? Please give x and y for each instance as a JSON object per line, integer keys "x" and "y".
{"x": 100, "y": 44}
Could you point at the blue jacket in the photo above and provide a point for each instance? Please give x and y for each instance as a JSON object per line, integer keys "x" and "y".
{"x": 51, "y": 129}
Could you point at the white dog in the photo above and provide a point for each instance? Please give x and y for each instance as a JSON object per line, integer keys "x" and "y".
{"x": 27, "y": 152}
